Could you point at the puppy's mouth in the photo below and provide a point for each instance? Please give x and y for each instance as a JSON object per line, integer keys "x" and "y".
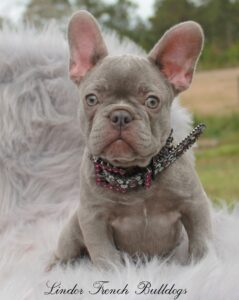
{"x": 121, "y": 153}
{"x": 118, "y": 148}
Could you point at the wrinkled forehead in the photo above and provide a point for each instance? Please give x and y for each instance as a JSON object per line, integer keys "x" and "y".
{"x": 126, "y": 74}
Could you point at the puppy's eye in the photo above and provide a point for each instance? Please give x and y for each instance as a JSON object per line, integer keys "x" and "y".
{"x": 91, "y": 100}
{"x": 152, "y": 102}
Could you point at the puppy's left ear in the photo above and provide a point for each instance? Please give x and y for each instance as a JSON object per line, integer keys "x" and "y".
{"x": 177, "y": 52}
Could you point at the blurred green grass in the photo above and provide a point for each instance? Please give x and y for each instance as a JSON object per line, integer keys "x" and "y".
{"x": 218, "y": 157}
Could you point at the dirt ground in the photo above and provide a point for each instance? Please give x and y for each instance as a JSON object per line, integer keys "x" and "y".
{"x": 213, "y": 92}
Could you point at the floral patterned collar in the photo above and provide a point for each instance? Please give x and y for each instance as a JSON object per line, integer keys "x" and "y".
{"x": 121, "y": 180}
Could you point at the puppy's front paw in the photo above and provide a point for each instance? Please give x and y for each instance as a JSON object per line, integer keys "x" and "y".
{"x": 115, "y": 260}
{"x": 197, "y": 251}
{"x": 54, "y": 260}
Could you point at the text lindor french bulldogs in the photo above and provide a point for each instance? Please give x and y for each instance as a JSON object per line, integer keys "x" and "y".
{"x": 124, "y": 108}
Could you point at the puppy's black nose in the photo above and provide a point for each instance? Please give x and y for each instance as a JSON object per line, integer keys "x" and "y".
{"x": 120, "y": 118}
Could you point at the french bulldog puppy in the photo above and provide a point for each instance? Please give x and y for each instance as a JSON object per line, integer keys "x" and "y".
{"x": 124, "y": 109}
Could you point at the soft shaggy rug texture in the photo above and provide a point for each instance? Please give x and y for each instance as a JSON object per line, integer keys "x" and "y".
{"x": 40, "y": 153}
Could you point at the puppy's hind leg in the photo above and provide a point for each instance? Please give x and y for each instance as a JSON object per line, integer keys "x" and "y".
{"x": 70, "y": 244}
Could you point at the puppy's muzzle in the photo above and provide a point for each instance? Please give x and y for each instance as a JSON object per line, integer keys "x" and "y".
{"x": 120, "y": 118}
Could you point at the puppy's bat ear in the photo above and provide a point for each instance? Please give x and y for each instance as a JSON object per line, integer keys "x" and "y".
{"x": 177, "y": 53}
{"x": 86, "y": 44}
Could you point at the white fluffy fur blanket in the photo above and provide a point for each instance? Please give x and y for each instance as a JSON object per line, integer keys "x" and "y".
{"x": 40, "y": 151}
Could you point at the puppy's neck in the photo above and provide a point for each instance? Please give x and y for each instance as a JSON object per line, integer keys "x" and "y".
{"x": 123, "y": 180}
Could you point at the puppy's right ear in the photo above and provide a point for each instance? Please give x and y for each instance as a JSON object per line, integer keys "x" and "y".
{"x": 86, "y": 44}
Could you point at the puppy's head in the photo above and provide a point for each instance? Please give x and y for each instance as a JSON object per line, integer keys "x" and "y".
{"x": 125, "y": 100}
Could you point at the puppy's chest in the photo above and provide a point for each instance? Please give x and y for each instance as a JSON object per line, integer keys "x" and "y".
{"x": 144, "y": 216}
